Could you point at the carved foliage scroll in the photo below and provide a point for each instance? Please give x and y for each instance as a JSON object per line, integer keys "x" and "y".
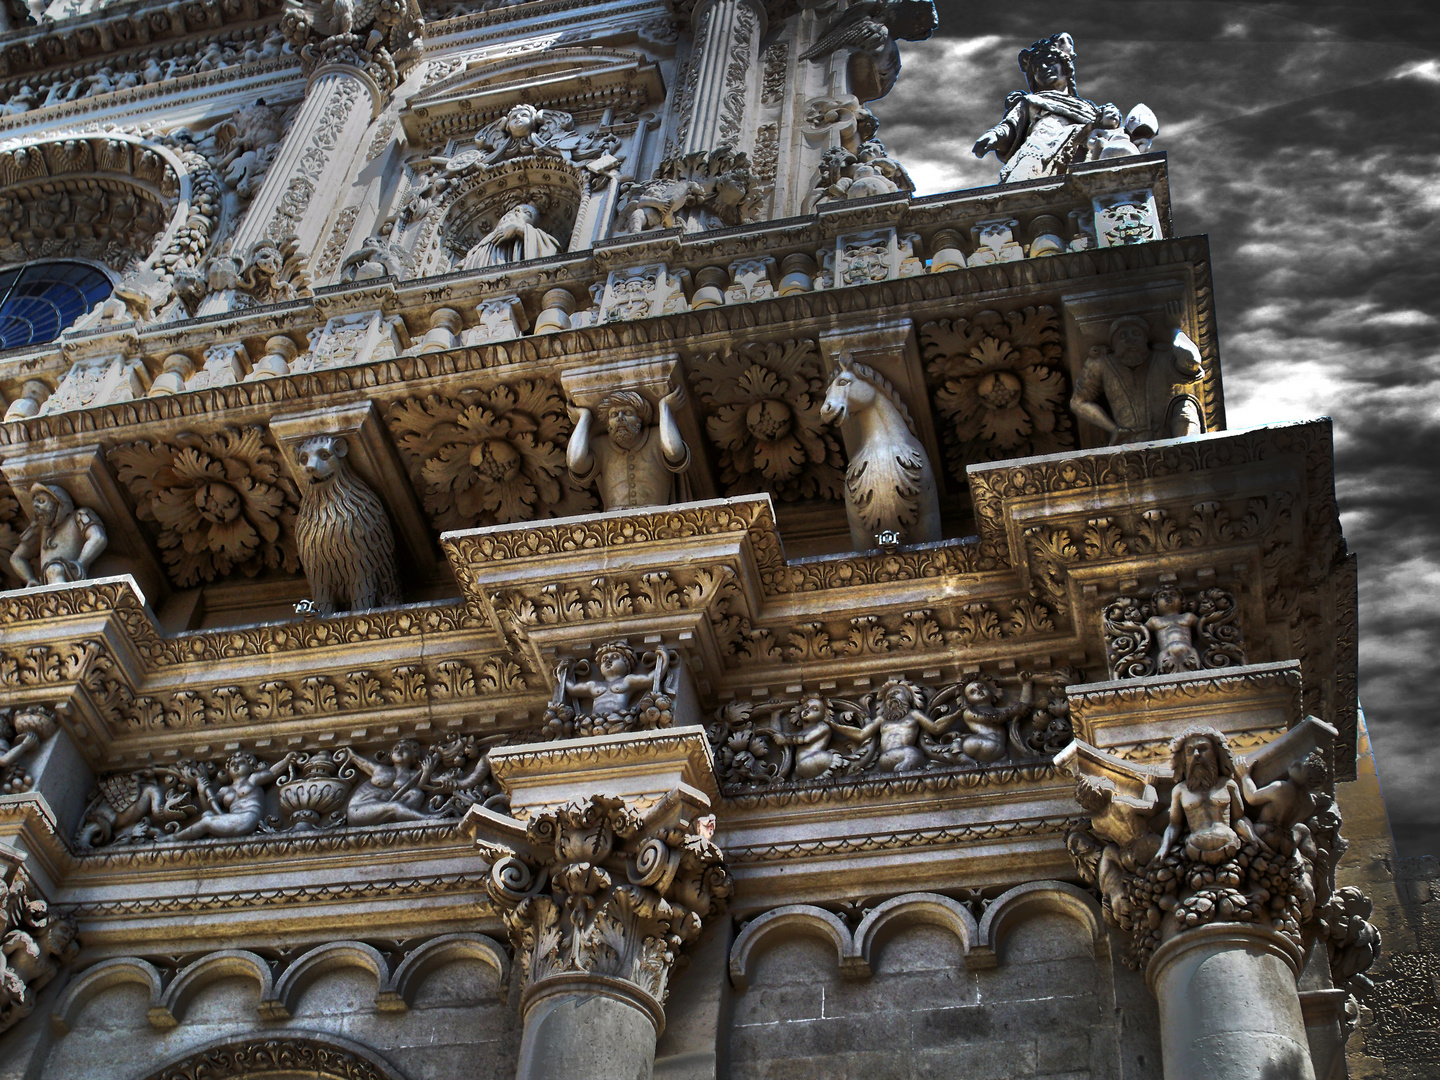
{"x": 222, "y": 501}
{"x": 490, "y": 456}
{"x": 998, "y": 381}
{"x": 763, "y": 410}
{"x": 1172, "y": 633}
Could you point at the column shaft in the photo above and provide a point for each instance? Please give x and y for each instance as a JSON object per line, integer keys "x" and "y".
{"x": 727, "y": 45}
{"x": 588, "y": 1030}
{"x": 1229, "y": 1008}
{"x": 314, "y": 157}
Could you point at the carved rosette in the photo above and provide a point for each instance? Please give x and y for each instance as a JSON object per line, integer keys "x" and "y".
{"x": 604, "y": 892}
{"x": 762, "y": 404}
{"x": 998, "y": 380}
{"x": 490, "y": 456}
{"x": 222, "y": 501}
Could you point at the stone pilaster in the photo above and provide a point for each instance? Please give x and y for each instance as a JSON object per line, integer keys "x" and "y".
{"x": 727, "y": 37}
{"x": 315, "y": 157}
{"x": 601, "y": 892}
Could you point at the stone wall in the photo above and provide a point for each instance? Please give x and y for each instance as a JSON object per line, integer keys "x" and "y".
{"x": 456, "y": 1024}
{"x": 1051, "y": 1008}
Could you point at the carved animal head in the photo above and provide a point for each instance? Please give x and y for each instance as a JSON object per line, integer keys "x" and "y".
{"x": 321, "y": 456}
{"x": 849, "y": 391}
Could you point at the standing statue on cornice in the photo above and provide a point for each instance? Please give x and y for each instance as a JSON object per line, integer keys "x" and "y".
{"x": 1050, "y": 128}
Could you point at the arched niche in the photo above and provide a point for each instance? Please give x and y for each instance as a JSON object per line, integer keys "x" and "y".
{"x": 108, "y": 197}
{"x": 476, "y": 201}
{"x": 281, "y": 1055}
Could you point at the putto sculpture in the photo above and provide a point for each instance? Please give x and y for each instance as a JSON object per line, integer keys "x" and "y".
{"x": 245, "y": 796}
{"x": 889, "y": 484}
{"x": 1050, "y": 128}
{"x": 35, "y": 943}
{"x": 1171, "y": 632}
{"x": 1150, "y": 389}
{"x": 634, "y": 463}
{"x": 623, "y": 696}
{"x": 61, "y": 542}
{"x": 342, "y": 532}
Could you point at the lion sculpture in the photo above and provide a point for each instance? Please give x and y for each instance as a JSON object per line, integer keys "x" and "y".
{"x": 342, "y": 533}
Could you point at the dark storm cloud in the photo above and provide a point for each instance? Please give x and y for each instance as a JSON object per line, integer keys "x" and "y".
{"x": 1304, "y": 138}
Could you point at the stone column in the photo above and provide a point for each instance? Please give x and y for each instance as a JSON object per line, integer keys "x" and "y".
{"x": 726, "y": 50}
{"x": 602, "y": 891}
{"x": 1228, "y": 1005}
{"x": 315, "y": 157}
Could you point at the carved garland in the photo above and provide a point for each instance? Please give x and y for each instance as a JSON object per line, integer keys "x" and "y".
{"x": 237, "y": 1058}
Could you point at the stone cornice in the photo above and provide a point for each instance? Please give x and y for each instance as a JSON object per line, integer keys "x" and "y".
{"x": 902, "y": 840}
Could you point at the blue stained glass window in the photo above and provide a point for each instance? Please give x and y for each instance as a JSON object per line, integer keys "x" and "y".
{"x": 41, "y": 299}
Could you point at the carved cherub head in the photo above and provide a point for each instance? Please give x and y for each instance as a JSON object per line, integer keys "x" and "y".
{"x": 980, "y": 692}
{"x": 1130, "y": 340}
{"x": 320, "y": 456}
{"x": 1049, "y": 64}
{"x": 615, "y": 658}
{"x": 1201, "y": 758}
{"x": 626, "y": 414}
{"x": 241, "y": 764}
{"x": 521, "y": 120}
{"x": 1168, "y": 600}
{"x": 1309, "y": 772}
{"x": 811, "y": 709}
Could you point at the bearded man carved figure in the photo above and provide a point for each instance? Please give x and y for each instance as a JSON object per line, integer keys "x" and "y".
{"x": 1206, "y": 807}
{"x": 634, "y": 463}
{"x": 61, "y": 542}
{"x": 1147, "y": 388}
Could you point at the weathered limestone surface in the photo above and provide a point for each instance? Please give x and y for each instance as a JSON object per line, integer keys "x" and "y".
{"x": 550, "y": 560}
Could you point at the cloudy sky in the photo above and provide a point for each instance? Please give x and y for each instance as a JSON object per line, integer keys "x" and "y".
{"x": 1304, "y": 139}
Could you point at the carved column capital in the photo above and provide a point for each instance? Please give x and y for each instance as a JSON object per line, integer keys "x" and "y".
{"x": 599, "y": 896}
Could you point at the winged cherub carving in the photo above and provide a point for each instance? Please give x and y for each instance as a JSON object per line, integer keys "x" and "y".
{"x": 872, "y": 25}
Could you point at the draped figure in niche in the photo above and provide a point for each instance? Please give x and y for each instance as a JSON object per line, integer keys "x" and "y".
{"x": 516, "y": 237}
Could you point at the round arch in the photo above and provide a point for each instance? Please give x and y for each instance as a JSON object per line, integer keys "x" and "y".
{"x": 111, "y": 198}
{"x": 287, "y": 1056}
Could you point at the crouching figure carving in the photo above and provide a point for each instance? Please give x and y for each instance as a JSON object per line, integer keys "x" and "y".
{"x": 343, "y": 533}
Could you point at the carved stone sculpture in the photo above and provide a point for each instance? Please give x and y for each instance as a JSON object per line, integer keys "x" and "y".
{"x": 1048, "y": 129}
{"x": 1246, "y": 841}
{"x": 1206, "y": 808}
{"x": 192, "y": 800}
{"x": 342, "y": 533}
{"x": 871, "y": 28}
{"x": 597, "y": 889}
{"x": 222, "y": 502}
{"x": 622, "y": 697}
{"x": 1149, "y": 389}
{"x": 889, "y": 484}
{"x": 1170, "y": 633}
{"x": 634, "y": 462}
{"x": 381, "y": 38}
{"x": 236, "y": 808}
{"x": 491, "y": 456}
{"x": 763, "y": 406}
{"x": 37, "y": 943}
{"x": 61, "y": 541}
{"x": 999, "y": 380}
{"x": 516, "y": 237}
{"x": 900, "y": 728}
{"x": 22, "y": 730}
{"x": 376, "y": 257}
{"x": 700, "y": 191}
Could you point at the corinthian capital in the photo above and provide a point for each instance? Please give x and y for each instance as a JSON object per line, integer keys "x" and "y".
{"x": 598, "y": 893}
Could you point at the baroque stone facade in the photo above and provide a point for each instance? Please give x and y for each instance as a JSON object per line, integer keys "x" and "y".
{"x": 482, "y": 599}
